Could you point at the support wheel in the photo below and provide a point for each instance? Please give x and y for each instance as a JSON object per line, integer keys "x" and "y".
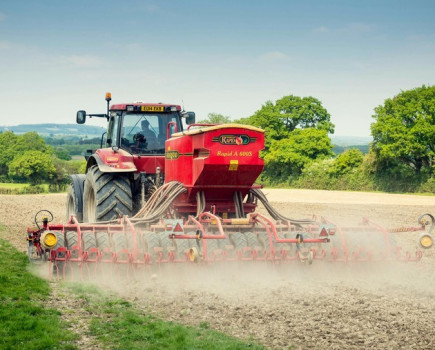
{"x": 240, "y": 242}
{"x": 183, "y": 245}
{"x": 89, "y": 242}
{"x": 119, "y": 244}
{"x": 72, "y": 242}
{"x": 60, "y": 243}
{"x": 152, "y": 241}
{"x": 103, "y": 244}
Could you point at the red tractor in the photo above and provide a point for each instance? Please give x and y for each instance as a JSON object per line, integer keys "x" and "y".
{"x": 130, "y": 164}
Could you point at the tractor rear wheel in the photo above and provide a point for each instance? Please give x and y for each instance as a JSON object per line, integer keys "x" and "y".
{"x": 106, "y": 196}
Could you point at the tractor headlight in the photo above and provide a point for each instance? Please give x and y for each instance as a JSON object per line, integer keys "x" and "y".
{"x": 425, "y": 240}
{"x": 48, "y": 240}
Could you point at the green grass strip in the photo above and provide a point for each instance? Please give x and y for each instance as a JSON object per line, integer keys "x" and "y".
{"x": 24, "y": 321}
{"x": 124, "y": 327}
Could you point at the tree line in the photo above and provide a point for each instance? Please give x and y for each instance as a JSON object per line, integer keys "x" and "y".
{"x": 298, "y": 151}
{"x": 28, "y": 158}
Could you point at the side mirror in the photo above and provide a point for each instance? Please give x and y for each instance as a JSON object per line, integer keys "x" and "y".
{"x": 81, "y": 117}
{"x": 190, "y": 117}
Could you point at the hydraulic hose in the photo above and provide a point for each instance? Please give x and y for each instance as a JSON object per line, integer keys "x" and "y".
{"x": 257, "y": 193}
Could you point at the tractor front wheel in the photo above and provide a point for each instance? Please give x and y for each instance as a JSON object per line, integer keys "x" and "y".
{"x": 106, "y": 196}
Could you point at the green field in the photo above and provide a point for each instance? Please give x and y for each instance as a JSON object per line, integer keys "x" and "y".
{"x": 22, "y": 188}
{"x": 26, "y": 323}
{"x": 12, "y": 185}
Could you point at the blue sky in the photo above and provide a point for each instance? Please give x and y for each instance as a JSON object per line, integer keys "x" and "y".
{"x": 223, "y": 56}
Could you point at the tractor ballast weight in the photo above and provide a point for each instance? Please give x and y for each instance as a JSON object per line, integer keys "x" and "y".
{"x": 159, "y": 194}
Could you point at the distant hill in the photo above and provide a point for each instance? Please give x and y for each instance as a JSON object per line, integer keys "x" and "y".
{"x": 53, "y": 130}
{"x": 350, "y": 140}
{"x": 80, "y": 130}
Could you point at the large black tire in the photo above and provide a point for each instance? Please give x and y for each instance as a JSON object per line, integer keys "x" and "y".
{"x": 74, "y": 198}
{"x": 106, "y": 196}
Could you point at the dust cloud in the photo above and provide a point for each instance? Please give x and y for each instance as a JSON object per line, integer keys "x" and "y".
{"x": 326, "y": 305}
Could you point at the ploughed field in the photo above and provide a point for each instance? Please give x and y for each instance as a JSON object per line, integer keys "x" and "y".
{"x": 322, "y": 306}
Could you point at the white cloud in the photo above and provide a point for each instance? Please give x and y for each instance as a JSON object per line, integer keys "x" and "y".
{"x": 321, "y": 29}
{"x": 274, "y": 56}
{"x": 85, "y": 61}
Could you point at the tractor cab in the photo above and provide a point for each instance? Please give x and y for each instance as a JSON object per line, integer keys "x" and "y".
{"x": 141, "y": 133}
{"x": 140, "y": 128}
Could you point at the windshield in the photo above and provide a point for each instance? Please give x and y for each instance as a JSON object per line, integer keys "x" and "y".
{"x": 145, "y": 133}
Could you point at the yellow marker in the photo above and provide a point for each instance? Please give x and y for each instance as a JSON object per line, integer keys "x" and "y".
{"x": 193, "y": 254}
{"x": 240, "y": 221}
{"x": 426, "y": 241}
{"x": 234, "y": 164}
{"x": 48, "y": 240}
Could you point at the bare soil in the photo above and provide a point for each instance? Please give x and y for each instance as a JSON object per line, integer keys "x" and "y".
{"x": 322, "y": 306}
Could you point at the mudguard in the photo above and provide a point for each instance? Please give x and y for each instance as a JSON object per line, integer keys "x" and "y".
{"x": 109, "y": 161}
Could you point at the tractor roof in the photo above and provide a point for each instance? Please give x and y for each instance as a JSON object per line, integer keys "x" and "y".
{"x": 145, "y": 107}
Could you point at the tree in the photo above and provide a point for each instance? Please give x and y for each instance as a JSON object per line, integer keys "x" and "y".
{"x": 33, "y": 166}
{"x": 404, "y": 130}
{"x": 31, "y": 141}
{"x": 8, "y": 140}
{"x": 347, "y": 161}
{"x": 62, "y": 153}
{"x": 288, "y": 157}
{"x": 289, "y": 113}
{"x": 215, "y": 118}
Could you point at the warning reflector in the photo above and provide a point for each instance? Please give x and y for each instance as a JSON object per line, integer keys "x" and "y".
{"x": 178, "y": 228}
{"x": 174, "y": 226}
{"x": 323, "y": 232}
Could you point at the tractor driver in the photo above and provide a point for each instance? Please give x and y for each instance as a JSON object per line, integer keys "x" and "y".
{"x": 146, "y": 138}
